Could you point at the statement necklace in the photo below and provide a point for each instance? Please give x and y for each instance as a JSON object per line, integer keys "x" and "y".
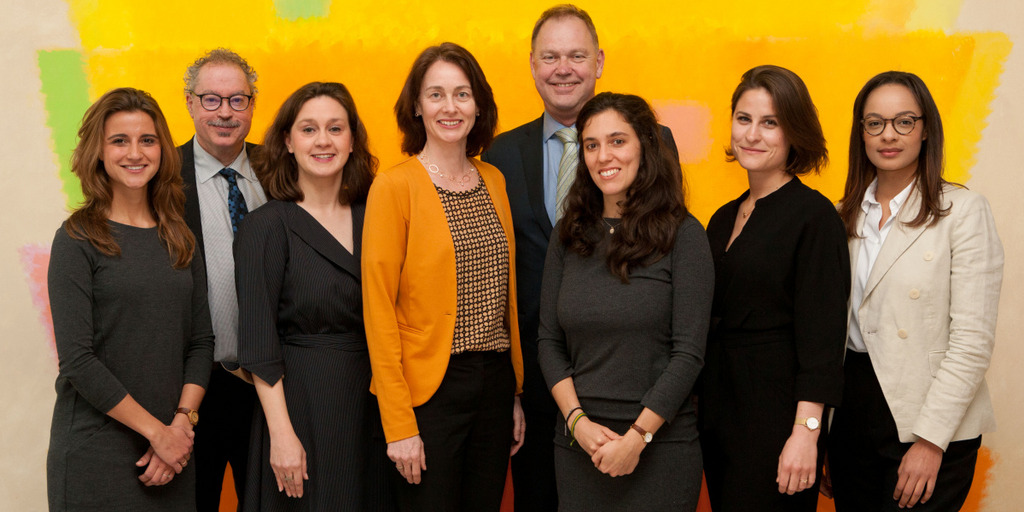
{"x": 434, "y": 169}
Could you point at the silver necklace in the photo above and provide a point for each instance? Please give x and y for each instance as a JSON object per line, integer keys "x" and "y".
{"x": 434, "y": 169}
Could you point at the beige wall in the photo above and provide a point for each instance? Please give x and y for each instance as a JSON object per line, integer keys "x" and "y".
{"x": 33, "y": 208}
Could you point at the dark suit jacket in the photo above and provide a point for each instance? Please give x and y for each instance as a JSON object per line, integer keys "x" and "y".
{"x": 193, "y": 217}
{"x": 519, "y": 155}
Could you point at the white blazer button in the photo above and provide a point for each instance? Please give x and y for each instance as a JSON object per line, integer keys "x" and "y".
{"x": 902, "y": 333}
{"x": 915, "y": 294}
{"x": 928, "y": 256}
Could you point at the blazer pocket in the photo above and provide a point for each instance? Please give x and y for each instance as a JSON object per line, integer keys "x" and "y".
{"x": 935, "y": 358}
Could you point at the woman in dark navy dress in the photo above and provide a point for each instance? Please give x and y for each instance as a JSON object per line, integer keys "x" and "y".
{"x": 316, "y": 439}
{"x": 778, "y": 322}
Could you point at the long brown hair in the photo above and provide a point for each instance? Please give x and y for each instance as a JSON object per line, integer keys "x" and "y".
{"x": 164, "y": 191}
{"x": 277, "y": 168}
{"x": 929, "y": 163}
{"x": 654, "y": 206}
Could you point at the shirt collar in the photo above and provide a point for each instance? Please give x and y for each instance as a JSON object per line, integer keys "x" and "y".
{"x": 894, "y": 204}
{"x": 207, "y": 166}
{"x": 551, "y": 126}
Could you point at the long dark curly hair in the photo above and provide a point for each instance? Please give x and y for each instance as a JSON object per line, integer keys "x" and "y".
{"x": 654, "y": 206}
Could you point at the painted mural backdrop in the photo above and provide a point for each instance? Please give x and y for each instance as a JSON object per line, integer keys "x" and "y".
{"x": 684, "y": 57}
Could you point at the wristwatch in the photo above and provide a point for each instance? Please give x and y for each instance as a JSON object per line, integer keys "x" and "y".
{"x": 647, "y": 436}
{"x": 811, "y": 423}
{"x": 193, "y": 416}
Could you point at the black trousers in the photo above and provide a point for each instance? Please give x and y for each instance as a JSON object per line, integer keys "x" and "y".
{"x": 865, "y": 451}
{"x": 222, "y": 437}
{"x": 466, "y": 429}
{"x": 533, "y": 466}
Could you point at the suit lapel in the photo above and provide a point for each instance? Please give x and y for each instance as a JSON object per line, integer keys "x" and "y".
{"x": 310, "y": 231}
{"x": 531, "y": 147}
{"x": 193, "y": 217}
{"x": 899, "y": 239}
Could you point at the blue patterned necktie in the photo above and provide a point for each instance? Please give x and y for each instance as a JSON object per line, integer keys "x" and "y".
{"x": 236, "y": 201}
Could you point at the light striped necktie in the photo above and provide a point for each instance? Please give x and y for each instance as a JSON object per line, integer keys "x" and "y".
{"x": 566, "y": 167}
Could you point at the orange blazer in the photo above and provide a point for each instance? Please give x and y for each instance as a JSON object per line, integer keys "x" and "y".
{"x": 409, "y": 289}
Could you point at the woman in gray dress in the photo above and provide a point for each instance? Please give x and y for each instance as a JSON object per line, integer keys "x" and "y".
{"x": 130, "y": 318}
{"x": 625, "y": 304}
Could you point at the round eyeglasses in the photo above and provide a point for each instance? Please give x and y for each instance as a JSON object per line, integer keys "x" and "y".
{"x": 211, "y": 102}
{"x": 902, "y": 124}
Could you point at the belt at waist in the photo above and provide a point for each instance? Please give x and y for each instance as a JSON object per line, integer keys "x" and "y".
{"x": 348, "y": 342}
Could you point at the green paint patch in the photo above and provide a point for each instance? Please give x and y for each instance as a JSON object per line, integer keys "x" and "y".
{"x": 66, "y": 97}
{"x": 292, "y": 10}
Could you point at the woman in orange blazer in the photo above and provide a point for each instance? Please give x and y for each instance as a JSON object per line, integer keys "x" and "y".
{"x": 439, "y": 294}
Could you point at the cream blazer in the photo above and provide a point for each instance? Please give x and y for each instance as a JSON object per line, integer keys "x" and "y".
{"x": 928, "y": 318}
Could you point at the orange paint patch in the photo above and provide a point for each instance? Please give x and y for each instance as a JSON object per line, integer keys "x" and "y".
{"x": 690, "y": 122}
{"x": 35, "y": 259}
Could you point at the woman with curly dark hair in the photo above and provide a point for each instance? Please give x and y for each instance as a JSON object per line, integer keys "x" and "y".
{"x": 624, "y": 313}
{"x": 315, "y": 443}
{"x": 130, "y": 317}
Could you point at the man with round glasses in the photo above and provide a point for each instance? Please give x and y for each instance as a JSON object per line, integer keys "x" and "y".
{"x": 220, "y": 188}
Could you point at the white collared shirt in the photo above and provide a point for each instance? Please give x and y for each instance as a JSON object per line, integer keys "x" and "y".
{"x": 872, "y": 238}
{"x": 212, "y": 190}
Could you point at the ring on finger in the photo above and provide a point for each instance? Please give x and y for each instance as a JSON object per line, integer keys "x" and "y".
{"x": 399, "y": 466}
{"x": 166, "y": 476}
{"x": 287, "y": 478}
{"x": 804, "y": 481}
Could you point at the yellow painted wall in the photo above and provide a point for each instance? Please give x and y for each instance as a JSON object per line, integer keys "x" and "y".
{"x": 685, "y": 57}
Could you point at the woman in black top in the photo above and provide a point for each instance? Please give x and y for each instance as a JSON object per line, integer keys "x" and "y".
{"x": 131, "y": 321}
{"x": 317, "y": 437}
{"x": 778, "y": 322}
{"x": 624, "y": 311}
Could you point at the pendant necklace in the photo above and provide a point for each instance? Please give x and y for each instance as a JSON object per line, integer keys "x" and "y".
{"x": 611, "y": 227}
{"x": 434, "y": 169}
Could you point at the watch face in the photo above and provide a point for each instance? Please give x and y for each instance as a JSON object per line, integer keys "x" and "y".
{"x": 193, "y": 417}
{"x": 648, "y": 437}
{"x": 812, "y": 423}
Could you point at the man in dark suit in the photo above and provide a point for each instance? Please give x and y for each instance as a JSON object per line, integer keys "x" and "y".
{"x": 220, "y": 188}
{"x": 566, "y": 61}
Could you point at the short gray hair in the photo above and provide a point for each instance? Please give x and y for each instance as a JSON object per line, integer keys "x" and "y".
{"x": 220, "y": 56}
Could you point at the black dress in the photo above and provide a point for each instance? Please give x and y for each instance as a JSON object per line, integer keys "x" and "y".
{"x": 301, "y": 315}
{"x": 778, "y": 331}
{"x": 128, "y": 324}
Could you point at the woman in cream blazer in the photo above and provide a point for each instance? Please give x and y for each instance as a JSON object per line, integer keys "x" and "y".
{"x": 927, "y": 269}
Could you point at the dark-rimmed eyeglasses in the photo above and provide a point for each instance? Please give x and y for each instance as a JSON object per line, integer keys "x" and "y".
{"x": 902, "y": 124}
{"x": 211, "y": 102}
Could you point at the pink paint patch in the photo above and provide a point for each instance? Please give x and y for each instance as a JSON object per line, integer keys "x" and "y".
{"x": 35, "y": 258}
{"x": 690, "y": 122}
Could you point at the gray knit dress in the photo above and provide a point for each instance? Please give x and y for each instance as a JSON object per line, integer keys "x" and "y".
{"x": 124, "y": 325}
{"x": 626, "y": 347}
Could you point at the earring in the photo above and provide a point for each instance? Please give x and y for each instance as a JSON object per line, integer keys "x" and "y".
{"x": 478, "y": 113}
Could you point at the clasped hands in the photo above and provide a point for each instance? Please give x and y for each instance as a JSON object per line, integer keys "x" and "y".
{"x": 173, "y": 443}
{"x": 611, "y": 453}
